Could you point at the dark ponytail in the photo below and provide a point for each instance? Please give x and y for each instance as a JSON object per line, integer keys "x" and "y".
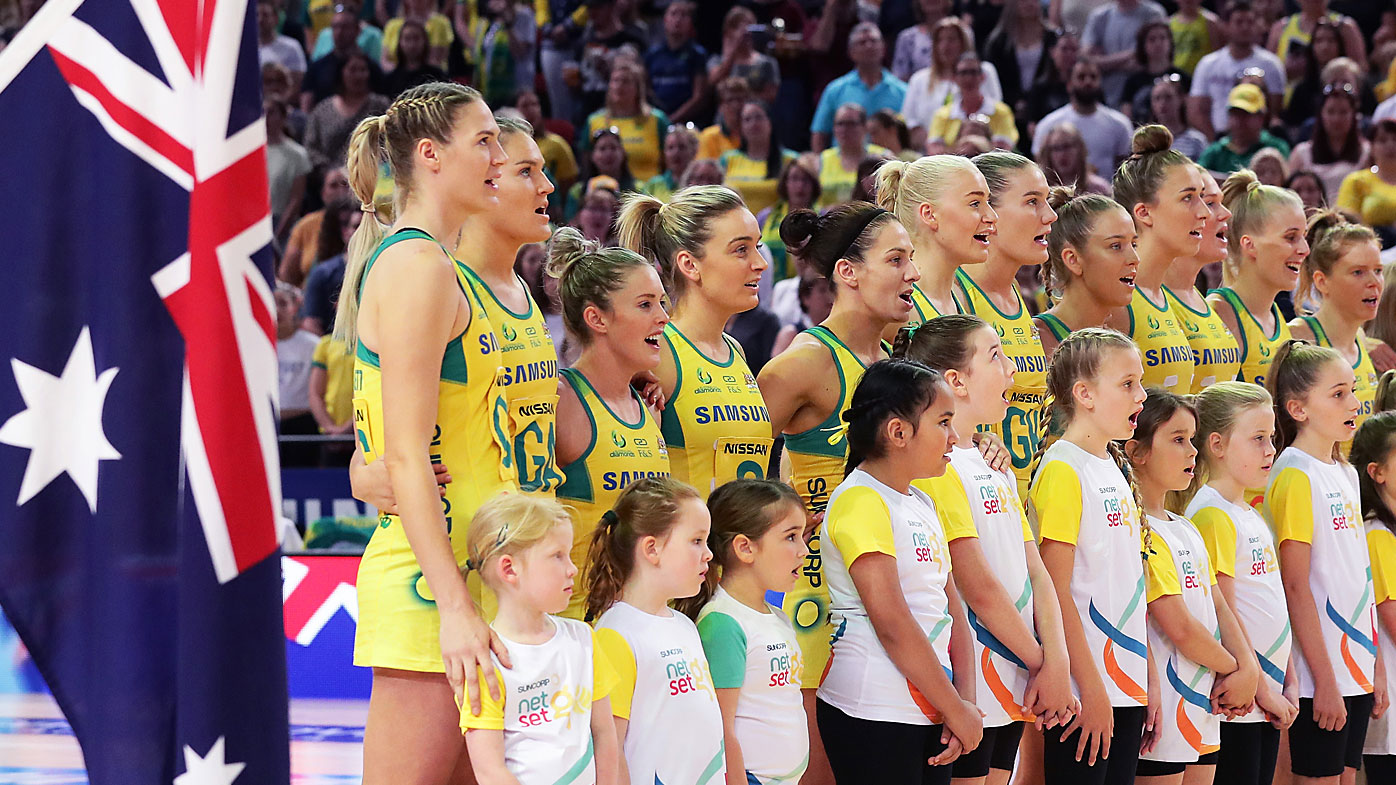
{"x": 844, "y": 231}
{"x": 1373, "y": 444}
{"x": 648, "y": 507}
{"x": 889, "y": 388}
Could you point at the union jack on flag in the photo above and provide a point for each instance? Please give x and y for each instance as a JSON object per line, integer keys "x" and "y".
{"x": 139, "y": 479}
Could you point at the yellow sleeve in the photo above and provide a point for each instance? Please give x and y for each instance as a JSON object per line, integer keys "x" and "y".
{"x": 1349, "y": 196}
{"x": 1219, "y": 533}
{"x": 439, "y": 32}
{"x": 321, "y": 357}
{"x": 491, "y": 715}
{"x": 1290, "y": 502}
{"x": 951, "y": 503}
{"x": 1160, "y": 573}
{"x": 614, "y": 648}
{"x": 1058, "y": 518}
{"x": 603, "y": 675}
{"x": 860, "y": 523}
{"x": 1381, "y": 546}
{"x": 939, "y": 122}
{"x": 1001, "y": 124}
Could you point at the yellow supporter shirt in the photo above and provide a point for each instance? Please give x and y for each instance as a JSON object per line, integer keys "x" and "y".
{"x": 1372, "y": 198}
{"x": 338, "y": 363}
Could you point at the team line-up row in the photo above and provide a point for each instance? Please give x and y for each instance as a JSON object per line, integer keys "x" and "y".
{"x": 457, "y": 398}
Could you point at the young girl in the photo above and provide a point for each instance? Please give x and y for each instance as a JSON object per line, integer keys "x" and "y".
{"x": 943, "y": 202}
{"x": 1193, "y": 635}
{"x": 1374, "y": 457}
{"x": 607, "y": 437}
{"x": 758, "y": 545}
{"x": 1313, "y": 505}
{"x": 1162, "y": 190}
{"x": 651, "y": 549}
{"x": 999, "y": 572}
{"x": 1215, "y": 353}
{"x": 1235, "y": 426}
{"x": 1344, "y": 269}
{"x": 887, "y": 708}
{"x": 1018, "y": 193}
{"x": 554, "y": 722}
{"x": 1091, "y": 535}
{"x": 1091, "y": 264}
{"x": 1265, "y": 248}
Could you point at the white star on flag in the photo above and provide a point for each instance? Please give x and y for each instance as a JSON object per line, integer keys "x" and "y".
{"x": 210, "y": 769}
{"x": 62, "y": 426}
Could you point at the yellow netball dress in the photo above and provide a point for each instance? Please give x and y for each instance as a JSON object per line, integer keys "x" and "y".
{"x": 1021, "y": 429}
{"x": 620, "y": 453}
{"x": 922, "y": 309}
{"x": 715, "y": 425}
{"x": 1365, "y": 385}
{"x": 817, "y": 458}
{"x": 1055, "y": 326}
{"x": 1257, "y": 348}
{"x": 530, "y": 386}
{"x": 398, "y": 622}
{"x": 1216, "y": 356}
{"x": 1165, "y": 350}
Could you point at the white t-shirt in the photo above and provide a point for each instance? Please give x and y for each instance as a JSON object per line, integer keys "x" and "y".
{"x": 665, "y": 690}
{"x": 1177, "y": 564}
{"x": 1314, "y": 501}
{"x": 756, "y": 653}
{"x": 975, "y": 501}
{"x": 923, "y": 98}
{"x": 1216, "y": 74}
{"x": 1239, "y": 544}
{"x": 285, "y": 52}
{"x": 293, "y": 360}
{"x": 1107, "y": 134}
{"x": 546, "y": 711}
{"x": 865, "y": 516}
{"x": 286, "y": 161}
{"x": 1083, "y": 500}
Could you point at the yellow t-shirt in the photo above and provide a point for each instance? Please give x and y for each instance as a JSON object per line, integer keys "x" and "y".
{"x": 641, "y": 135}
{"x": 835, "y": 182}
{"x": 712, "y": 142}
{"x": 946, "y": 122}
{"x": 1191, "y": 40}
{"x": 557, "y": 156}
{"x": 752, "y": 179}
{"x": 338, "y": 362}
{"x": 439, "y": 34}
{"x": 1366, "y": 194}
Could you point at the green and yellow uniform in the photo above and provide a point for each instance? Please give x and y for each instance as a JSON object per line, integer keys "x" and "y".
{"x": 1162, "y": 344}
{"x": 399, "y": 626}
{"x": 1055, "y": 326}
{"x": 817, "y": 458}
{"x": 1365, "y": 384}
{"x": 836, "y": 183}
{"x": 530, "y": 386}
{"x": 782, "y": 266}
{"x": 752, "y": 178}
{"x": 1021, "y": 429}
{"x": 1216, "y": 356}
{"x": 922, "y": 309}
{"x": 715, "y": 425}
{"x": 642, "y": 136}
{"x": 619, "y": 453}
{"x": 1257, "y": 348}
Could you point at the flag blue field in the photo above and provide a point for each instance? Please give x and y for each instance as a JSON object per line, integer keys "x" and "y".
{"x": 139, "y": 483}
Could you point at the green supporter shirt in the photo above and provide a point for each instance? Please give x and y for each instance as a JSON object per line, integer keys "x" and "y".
{"x": 1219, "y": 157}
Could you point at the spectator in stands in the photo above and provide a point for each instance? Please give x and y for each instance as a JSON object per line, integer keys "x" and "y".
{"x": 315, "y": 17}
{"x": 334, "y": 119}
{"x": 606, "y": 159}
{"x": 740, "y": 58}
{"x": 816, "y": 298}
{"x": 1246, "y": 134}
{"x": 604, "y": 34}
{"x": 276, "y": 83}
{"x": 1166, "y": 108}
{"x": 1217, "y": 72}
{"x": 869, "y": 84}
{"x": 1196, "y": 31}
{"x": 1065, "y": 162}
{"x": 331, "y": 391}
{"x": 838, "y": 165}
{"x": 596, "y": 219}
{"x": 348, "y": 13}
{"x": 1300, "y": 27}
{"x": 826, "y": 37}
{"x": 912, "y": 51}
{"x": 558, "y": 158}
{"x": 934, "y": 86}
{"x": 323, "y": 283}
{"x": 704, "y": 171}
{"x": 1309, "y": 189}
{"x": 947, "y": 121}
{"x": 295, "y": 349}
{"x": 642, "y": 127}
{"x": 680, "y": 148}
{"x": 753, "y": 168}
{"x": 797, "y": 189}
{"x": 1371, "y": 193}
{"x": 437, "y": 26}
{"x": 1049, "y": 90}
{"x": 725, "y": 134}
{"x": 1111, "y": 36}
{"x": 273, "y": 47}
{"x": 1153, "y": 59}
{"x": 887, "y": 130}
{"x": 677, "y": 66}
{"x": 1106, "y": 131}
{"x": 411, "y": 58}
{"x": 1337, "y": 148}
{"x": 756, "y": 330}
{"x": 302, "y": 249}
{"x": 322, "y": 78}
{"x": 1019, "y": 49}
{"x": 1325, "y": 45}
{"x": 287, "y": 166}
{"x": 503, "y": 46}
{"x": 559, "y": 33}
{"x": 1269, "y": 166}
{"x": 865, "y": 185}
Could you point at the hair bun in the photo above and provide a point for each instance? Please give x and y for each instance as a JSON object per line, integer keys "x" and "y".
{"x": 1238, "y": 184}
{"x": 565, "y": 249}
{"x": 797, "y": 229}
{"x": 1149, "y": 139}
{"x": 1059, "y": 195}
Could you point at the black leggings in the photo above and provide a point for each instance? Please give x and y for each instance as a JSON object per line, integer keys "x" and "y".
{"x": 998, "y": 750}
{"x": 1380, "y": 768}
{"x": 870, "y": 751}
{"x": 1059, "y": 762}
{"x": 1248, "y": 752}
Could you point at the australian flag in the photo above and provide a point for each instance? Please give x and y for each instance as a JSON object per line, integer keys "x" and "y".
{"x": 139, "y": 485}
